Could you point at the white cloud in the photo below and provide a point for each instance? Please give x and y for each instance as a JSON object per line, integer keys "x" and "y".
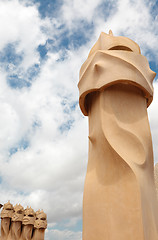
{"x": 63, "y": 235}
{"x": 134, "y": 19}
{"x": 22, "y": 25}
{"x": 73, "y": 11}
{"x": 55, "y": 161}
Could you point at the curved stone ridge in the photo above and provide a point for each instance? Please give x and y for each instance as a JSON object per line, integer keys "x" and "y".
{"x": 109, "y": 41}
{"x": 18, "y": 223}
{"x": 114, "y": 60}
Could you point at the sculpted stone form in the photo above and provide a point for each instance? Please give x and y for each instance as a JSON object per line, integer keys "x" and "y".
{"x": 28, "y": 224}
{"x": 15, "y": 228}
{"x": 40, "y": 225}
{"x": 7, "y": 211}
{"x": 18, "y": 214}
{"x": 20, "y": 224}
{"x": 156, "y": 178}
{"x": 41, "y": 220}
{"x": 6, "y": 215}
{"x": 115, "y": 88}
{"x": 29, "y": 216}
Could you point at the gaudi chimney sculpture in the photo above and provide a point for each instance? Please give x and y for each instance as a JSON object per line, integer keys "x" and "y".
{"x": 18, "y": 223}
{"x": 6, "y": 216}
{"x": 115, "y": 86}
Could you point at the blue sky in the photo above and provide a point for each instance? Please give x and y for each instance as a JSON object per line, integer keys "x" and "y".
{"x": 44, "y": 144}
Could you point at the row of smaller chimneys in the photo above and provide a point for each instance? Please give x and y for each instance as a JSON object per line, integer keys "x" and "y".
{"x": 27, "y": 216}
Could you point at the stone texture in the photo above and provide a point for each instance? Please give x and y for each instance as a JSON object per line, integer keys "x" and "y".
{"x": 156, "y": 178}
{"x": 18, "y": 223}
{"x": 119, "y": 193}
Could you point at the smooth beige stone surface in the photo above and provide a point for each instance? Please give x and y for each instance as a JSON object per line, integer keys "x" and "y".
{"x": 26, "y": 232}
{"x": 39, "y": 234}
{"x": 15, "y": 231}
{"x": 5, "y": 224}
{"x": 119, "y": 200}
{"x": 20, "y": 224}
{"x": 156, "y": 177}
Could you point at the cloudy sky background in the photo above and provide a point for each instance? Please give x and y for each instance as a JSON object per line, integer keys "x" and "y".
{"x": 43, "y": 135}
